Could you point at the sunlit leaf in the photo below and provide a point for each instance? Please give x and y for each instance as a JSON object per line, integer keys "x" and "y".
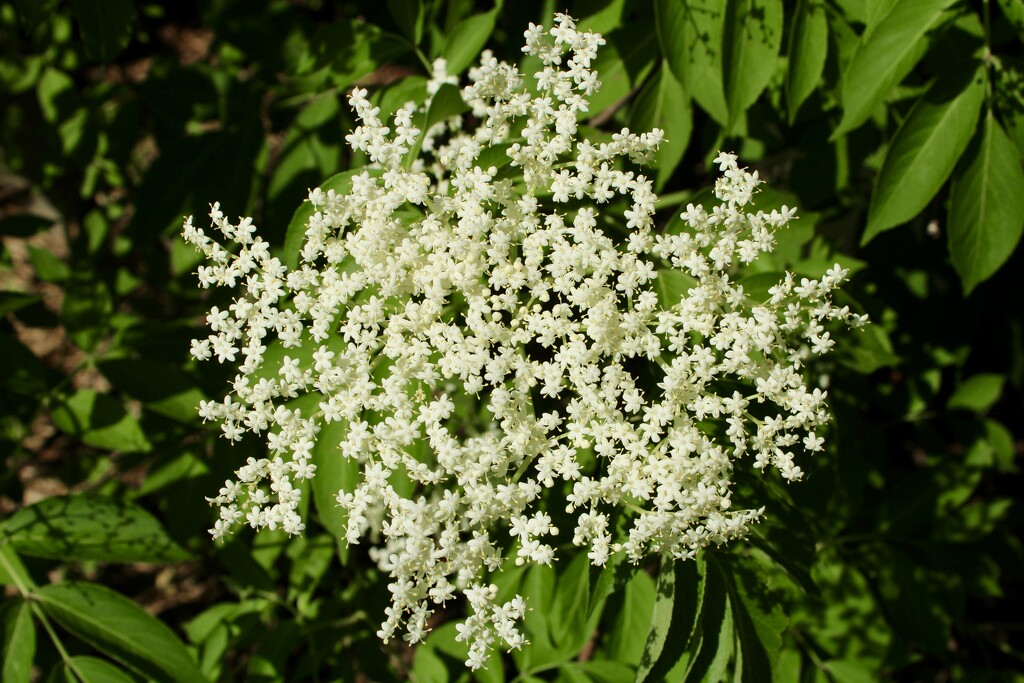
{"x": 885, "y": 56}
{"x": 17, "y": 641}
{"x": 750, "y": 49}
{"x": 978, "y": 393}
{"x": 691, "y": 33}
{"x": 924, "y": 151}
{"x": 663, "y": 103}
{"x": 89, "y": 527}
{"x": 119, "y": 628}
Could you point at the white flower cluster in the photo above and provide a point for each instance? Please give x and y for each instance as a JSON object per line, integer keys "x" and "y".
{"x": 585, "y": 380}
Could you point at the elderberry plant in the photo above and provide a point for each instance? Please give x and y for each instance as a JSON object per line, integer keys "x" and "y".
{"x": 478, "y": 263}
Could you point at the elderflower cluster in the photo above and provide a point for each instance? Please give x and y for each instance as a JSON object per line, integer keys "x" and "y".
{"x": 499, "y": 341}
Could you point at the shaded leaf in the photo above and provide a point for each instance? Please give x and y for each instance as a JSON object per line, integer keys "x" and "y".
{"x": 89, "y": 527}
{"x": 885, "y": 56}
{"x": 924, "y": 151}
{"x": 807, "y": 50}
{"x": 986, "y": 216}
{"x": 106, "y": 26}
{"x": 613, "y": 578}
{"x": 119, "y": 628}
{"x": 99, "y": 420}
{"x": 163, "y": 388}
{"x": 678, "y": 607}
{"x": 334, "y": 473}
{"x": 663, "y": 103}
{"x": 408, "y": 14}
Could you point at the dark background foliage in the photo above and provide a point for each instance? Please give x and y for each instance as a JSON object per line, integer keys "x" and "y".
{"x": 897, "y": 126}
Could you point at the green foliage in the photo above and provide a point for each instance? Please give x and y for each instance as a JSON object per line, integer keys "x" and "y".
{"x": 887, "y": 122}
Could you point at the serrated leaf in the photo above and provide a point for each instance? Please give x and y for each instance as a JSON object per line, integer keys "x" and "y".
{"x": 105, "y": 25}
{"x": 750, "y": 49}
{"x": 18, "y": 644}
{"x": 467, "y": 39}
{"x": 690, "y": 33}
{"x": 715, "y": 629}
{"x": 99, "y": 420}
{"x": 295, "y": 235}
{"x": 678, "y": 605}
{"x": 807, "y": 51}
{"x": 759, "y": 623}
{"x": 663, "y": 103}
{"x": 986, "y": 216}
{"x": 977, "y": 393}
{"x": 885, "y": 56}
{"x": 924, "y": 151}
{"x": 612, "y": 578}
{"x": 89, "y": 527}
{"x": 118, "y": 627}
{"x": 628, "y": 635}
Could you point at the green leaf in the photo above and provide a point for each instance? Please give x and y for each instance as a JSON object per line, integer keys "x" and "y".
{"x": 690, "y": 33}
{"x": 714, "y": 630}
{"x": 678, "y": 606}
{"x": 12, "y": 570}
{"x": 978, "y": 393}
{"x": 986, "y": 215}
{"x": 671, "y": 286}
{"x": 628, "y": 634}
{"x": 1013, "y": 10}
{"x": 86, "y": 310}
{"x": 96, "y": 670}
{"x": 851, "y": 671}
{"x": 89, "y": 527}
{"x": 759, "y": 622}
{"x": 807, "y": 51}
{"x": 569, "y": 622}
{"x": 105, "y": 25}
{"x": 750, "y": 49}
{"x": 48, "y": 267}
{"x": 613, "y": 577}
{"x": 463, "y": 45}
{"x": 924, "y": 151}
{"x": 334, "y": 473}
{"x": 622, "y": 65}
{"x": 885, "y": 56}
{"x": 118, "y": 627}
{"x": 18, "y": 644}
{"x": 24, "y": 375}
{"x": 163, "y": 388}
{"x": 446, "y": 103}
{"x": 408, "y": 14}
{"x": 99, "y": 420}
{"x": 295, "y": 236}
{"x": 663, "y": 103}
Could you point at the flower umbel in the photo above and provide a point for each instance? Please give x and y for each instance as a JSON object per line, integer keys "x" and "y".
{"x": 488, "y": 323}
